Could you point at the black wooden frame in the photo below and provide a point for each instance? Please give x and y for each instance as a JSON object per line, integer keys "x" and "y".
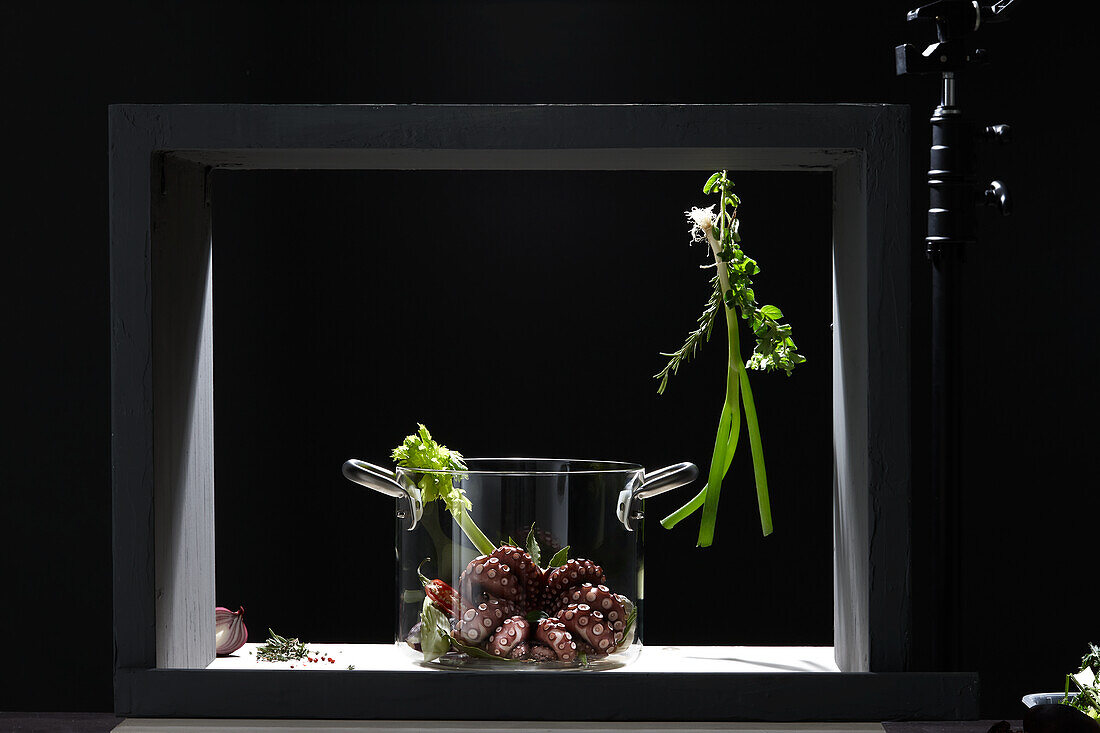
{"x": 161, "y": 157}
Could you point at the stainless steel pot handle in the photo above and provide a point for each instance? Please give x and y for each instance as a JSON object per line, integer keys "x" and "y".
{"x": 653, "y": 483}
{"x": 384, "y": 481}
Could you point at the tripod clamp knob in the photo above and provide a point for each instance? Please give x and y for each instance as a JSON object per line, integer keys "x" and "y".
{"x": 997, "y": 195}
{"x": 996, "y": 134}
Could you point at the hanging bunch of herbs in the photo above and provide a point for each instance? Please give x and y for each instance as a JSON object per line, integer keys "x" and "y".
{"x": 774, "y": 350}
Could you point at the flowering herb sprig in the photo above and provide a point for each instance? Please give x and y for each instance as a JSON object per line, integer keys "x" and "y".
{"x": 774, "y": 349}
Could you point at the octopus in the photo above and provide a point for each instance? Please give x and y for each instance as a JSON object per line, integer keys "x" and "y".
{"x": 600, "y": 598}
{"x": 514, "y": 632}
{"x": 520, "y": 563}
{"x": 487, "y": 574}
{"x": 477, "y": 623}
{"x": 542, "y": 653}
{"x": 498, "y": 591}
{"x": 588, "y": 625}
{"x": 573, "y": 572}
{"x": 555, "y": 635}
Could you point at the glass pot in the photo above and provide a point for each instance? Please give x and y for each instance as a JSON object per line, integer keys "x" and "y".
{"x": 584, "y": 517}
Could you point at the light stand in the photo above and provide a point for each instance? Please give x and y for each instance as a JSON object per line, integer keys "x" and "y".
{"x": 953, "y": 198}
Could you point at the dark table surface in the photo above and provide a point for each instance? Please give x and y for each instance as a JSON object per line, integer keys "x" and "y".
{"x": 103, "y": 722}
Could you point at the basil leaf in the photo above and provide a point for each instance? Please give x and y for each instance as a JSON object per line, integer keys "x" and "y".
{"x": 533, "y": 546}
{"x": 536, "y": 616}
{"x": 473, "y": 651}
{"x": 559, "y": 557}
{"x": 435, "y": 632}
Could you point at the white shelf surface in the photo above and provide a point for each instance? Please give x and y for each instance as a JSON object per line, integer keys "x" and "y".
{"x": 692, "y": 659}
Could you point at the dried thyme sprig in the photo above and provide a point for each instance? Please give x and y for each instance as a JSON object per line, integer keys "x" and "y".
{"x": 278, "y": 649}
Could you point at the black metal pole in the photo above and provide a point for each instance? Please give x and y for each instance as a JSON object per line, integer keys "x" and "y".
{"x": 945, "y": 435}
{"x": 952, "y": 200}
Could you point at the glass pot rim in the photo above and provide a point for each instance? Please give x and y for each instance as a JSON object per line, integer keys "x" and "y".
{"x": 541, "y": 467}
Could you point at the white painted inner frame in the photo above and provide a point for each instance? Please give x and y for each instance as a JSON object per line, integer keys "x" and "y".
{"x": 188, "y": 579}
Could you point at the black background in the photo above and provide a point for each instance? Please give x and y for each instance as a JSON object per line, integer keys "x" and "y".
{"x": 521, "y": 313}
{"x": 1026, "y": 606}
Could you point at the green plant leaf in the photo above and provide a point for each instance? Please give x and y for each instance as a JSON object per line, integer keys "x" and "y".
{"x": 536, "y": 616}
{"x": 772, "y": 312}
{"x": 435, "y": 632}
{"x": 533, "y": 546}
{"x": 420, "y": 451}
{"x": 630, "y": 619}
{"x": 473, "y": 651}
{"x": 559, "y": 557}
{"x": 711, "y": 181}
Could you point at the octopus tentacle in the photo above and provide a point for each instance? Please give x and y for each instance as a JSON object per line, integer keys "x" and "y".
{"x": 477, "y": 622}
{"x": 600, "y": 598}
{"x": 524, "y": 567}
{"x": 553, "y": 634}
{"x": 467, "y": 591}
{"x": 508, "y": 635}
{"x": 588, "y": 651}
{"x": 488, "y": 574}
{"x": 573, "y": 572}
{"x": 587, "y": 624}
{"x": 541, "y": 653}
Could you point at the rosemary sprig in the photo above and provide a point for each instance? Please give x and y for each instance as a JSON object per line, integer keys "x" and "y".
{"x": 279, "y": 649}
{"x": 695, "y": 339}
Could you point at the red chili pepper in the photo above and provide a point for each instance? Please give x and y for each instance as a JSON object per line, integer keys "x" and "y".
{"x": 439, "y": 592}
{"x": 442, "y": 595}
